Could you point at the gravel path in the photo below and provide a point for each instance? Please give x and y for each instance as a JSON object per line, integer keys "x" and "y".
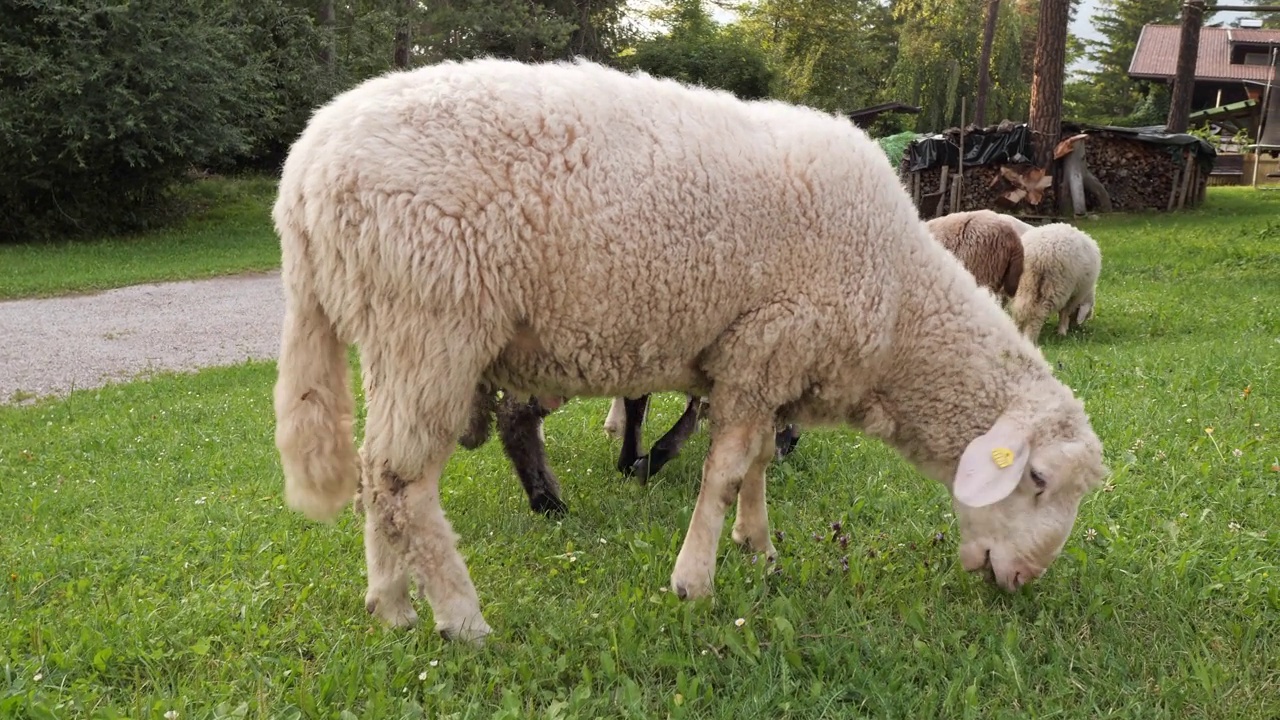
{"x": 51, "y": 346}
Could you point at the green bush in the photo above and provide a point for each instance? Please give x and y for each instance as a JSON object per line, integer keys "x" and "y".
{"x": 278, "y": 47}
{"x": 106, "y": 103}
{"x": 699, "y": 52}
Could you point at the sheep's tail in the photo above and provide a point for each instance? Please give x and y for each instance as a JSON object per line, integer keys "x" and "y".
{"x": 313, "y": 404}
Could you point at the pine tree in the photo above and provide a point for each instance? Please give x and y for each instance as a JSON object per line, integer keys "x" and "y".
{"x": 1120, "y": 23}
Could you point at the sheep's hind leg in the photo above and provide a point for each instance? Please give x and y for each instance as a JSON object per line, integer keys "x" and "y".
{"x": 408, "y": 439}
{"x": 1064, "y": 320}
{"x": 737, "y": 451}
{"x": 751, "y": 526}
{"x": 520, "y": 429}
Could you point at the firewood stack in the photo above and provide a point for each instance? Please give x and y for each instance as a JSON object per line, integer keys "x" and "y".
{"x": 983, "y": 186}
{"x": 1142, "y": 176}
{"x": 1135, "y": 174}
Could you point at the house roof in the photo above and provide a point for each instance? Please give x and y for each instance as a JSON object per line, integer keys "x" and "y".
{"x": 1156, "y": 55}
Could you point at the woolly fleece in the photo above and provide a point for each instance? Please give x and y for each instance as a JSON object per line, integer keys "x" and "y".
{"x": 471, "y": 223}
{"x": 987, "y": 245}
{"x": 1061, "y": 264}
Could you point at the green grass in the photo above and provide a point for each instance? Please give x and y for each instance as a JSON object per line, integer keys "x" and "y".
{"x": 148, "y": 564}
{"x": 228, "y": 231}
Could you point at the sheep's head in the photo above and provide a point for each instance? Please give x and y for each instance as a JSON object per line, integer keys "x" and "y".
{"x": 1017, "y": 489}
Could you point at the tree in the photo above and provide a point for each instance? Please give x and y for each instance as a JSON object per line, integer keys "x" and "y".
{"x": 696, "y": 50}
{"x": 1188, "y": 53}
{"x": 984, "y": 62}
{"x": 829, "y": 54}
{"x": 404, "y": 34}
{"x": 104, "y": 105}
{"x": 526, "y": 30}
{"x": 326, "y": 17}
{"x": 1120, "y": 23}
{"x": 1269, "y": 20}
{"x": 938, "y": 60}
{"x": 1047, "y": 78}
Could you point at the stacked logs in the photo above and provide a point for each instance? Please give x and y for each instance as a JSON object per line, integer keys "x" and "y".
{"x": 1141, "y": 176}
{"x": 1137, "y": 175}
{"x": 981, "y": 186}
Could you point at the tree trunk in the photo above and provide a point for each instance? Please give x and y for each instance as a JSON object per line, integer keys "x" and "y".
{"x": 1184, "y": 80}
{"x": 327, "y": 51}
{"x": 403, "y": 35}
{"x": 1046, "y": 81}
{"x": 984, "y": 63}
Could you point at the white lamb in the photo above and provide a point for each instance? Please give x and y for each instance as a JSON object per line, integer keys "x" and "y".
{"x": 466, "y": 223}
{"x": 1060, "y": 268}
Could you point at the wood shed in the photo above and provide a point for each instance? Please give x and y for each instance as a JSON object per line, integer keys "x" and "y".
{"x": 1114, "y": 168}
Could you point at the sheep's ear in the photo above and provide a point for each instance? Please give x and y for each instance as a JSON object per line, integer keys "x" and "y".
{"x": 992, "y": 465}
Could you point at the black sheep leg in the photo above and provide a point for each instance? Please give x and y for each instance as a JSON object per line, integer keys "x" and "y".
{"x": 631, "y": 434}
{"x": 520, "y": 430}
{"x": 786, "y": 440}
{"x": 668, "y": 446}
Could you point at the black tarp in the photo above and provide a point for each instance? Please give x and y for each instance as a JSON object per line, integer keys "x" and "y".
{"x": 980, "y": 148}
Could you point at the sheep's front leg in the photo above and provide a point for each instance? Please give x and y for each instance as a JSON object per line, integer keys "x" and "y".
{"x": 736, "y": 450}
{"x": 632, "y": 436}
{"x": 668, "y": 446}
{"x": 615, "y": 421}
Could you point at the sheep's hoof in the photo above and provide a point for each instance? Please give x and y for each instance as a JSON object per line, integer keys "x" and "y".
{"x": 760, "y": 543}
{"x": 473, "y": 633}
{"x": 399, "y": 614}
{"x": 613, "y": 430}
{"x": 640, "y": 470}
{"x": 691, "y": 584}
{"x": 548, "y": 505}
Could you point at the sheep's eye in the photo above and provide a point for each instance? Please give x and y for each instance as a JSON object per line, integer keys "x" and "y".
{"x": 1039, "y": 480}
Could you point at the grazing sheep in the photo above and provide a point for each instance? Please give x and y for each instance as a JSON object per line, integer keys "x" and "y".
{"x": 986, "y": 244}
{"x": 1060, "y": 272}
{"x": 464, "y": 224}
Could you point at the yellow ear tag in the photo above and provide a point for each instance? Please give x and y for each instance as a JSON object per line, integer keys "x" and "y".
{"x": 1002, "y": 456}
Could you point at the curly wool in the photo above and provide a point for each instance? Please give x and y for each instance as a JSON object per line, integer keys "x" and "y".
{"x": 469, "y": 224}
{"x": 1061, "y": 265}
{"x": 986, "y": 244}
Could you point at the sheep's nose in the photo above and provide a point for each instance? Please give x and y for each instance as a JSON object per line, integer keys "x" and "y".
{"x": 1020, "y": 576}
{"x": 974, "y": 558}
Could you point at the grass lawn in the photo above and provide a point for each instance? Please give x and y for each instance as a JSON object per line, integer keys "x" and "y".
{"x": 149, "y": 567}
{"x": 229, "y": 231}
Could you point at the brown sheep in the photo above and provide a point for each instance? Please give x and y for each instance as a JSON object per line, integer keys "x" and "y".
{"x": 987, "y": 243}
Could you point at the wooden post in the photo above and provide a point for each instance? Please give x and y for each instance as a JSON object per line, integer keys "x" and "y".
{"x": 942, "y": 190}
{"x": 1184, "y": 80}
{"x": 1186, "y": 178}
{"x": 1073, "y": 167}
{"x": 1173, "y": 191}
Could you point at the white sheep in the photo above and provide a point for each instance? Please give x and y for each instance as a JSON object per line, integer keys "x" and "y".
{"x": 464, "y": 224}
{"x": 1061, "y": 264}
